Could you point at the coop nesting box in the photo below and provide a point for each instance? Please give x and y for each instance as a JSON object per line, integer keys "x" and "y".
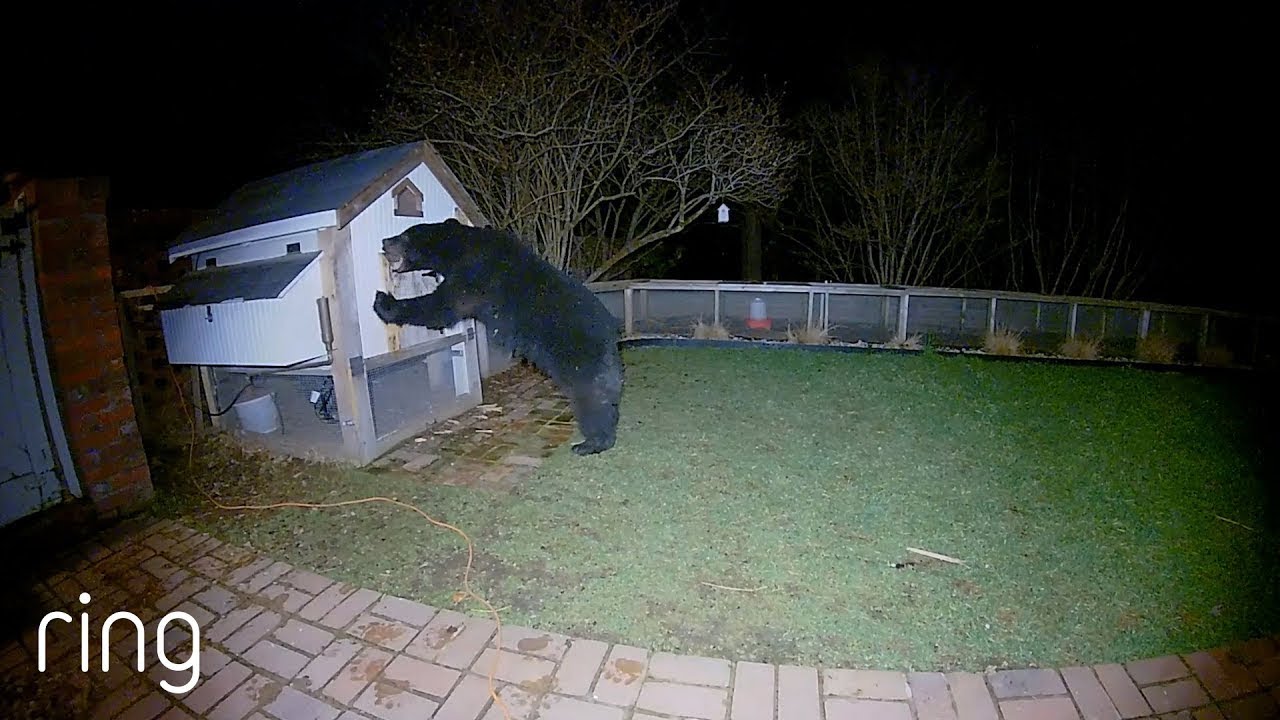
{"x": 279, "y": 298}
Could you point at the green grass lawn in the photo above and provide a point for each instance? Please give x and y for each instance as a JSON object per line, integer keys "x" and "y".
{"x": 1081, "y": 499}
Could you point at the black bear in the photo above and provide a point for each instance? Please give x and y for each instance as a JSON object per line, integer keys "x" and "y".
{"x": 528, "y": 306}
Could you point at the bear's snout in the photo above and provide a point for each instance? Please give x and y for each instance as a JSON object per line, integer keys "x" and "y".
{"x": 394, "y": 254}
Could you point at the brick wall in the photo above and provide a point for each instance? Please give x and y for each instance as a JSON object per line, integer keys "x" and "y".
{"x": 82, "y": 335}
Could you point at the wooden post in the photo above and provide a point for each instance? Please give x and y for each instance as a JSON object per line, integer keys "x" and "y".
{"x": 1203, "y": 341}
{"x": 129, "y": 341}
{"x": 628, "y": 315}
{"x": 1144, "y": 325}
{"x": 716, "y": 292}
{"x": 197, "y": 406}
{"x": 211, "y": 395}
{"x": 904, "y": 305}
{"x": 991, "y": 317}
{"x": 808, "y": 314}
{"x": 350, "y": 384}
{"x": 1071, "y": 321}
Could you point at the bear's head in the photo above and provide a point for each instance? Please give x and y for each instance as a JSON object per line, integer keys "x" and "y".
{"x": 425, "y": 247}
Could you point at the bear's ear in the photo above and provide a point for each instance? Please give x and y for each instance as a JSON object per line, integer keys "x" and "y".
{"x": 452, "y": 221}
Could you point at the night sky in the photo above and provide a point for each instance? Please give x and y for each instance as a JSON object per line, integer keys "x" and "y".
{"x": 182, "y": 104}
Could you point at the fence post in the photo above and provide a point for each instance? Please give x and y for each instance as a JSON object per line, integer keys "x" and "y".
{"x": 1203, "y": 341}
{"x": 716, "y": 292}
{"x": 1071, "y": 323}
{"x": 904, "y": 304}
{"x": 808, "y": 315}
{"x": 1144, "y": 325}
{"x": 991, "y": 317}
{"x": 628, "y": 317}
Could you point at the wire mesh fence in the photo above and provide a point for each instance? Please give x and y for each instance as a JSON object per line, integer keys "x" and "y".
{"x": 962, "y": 319}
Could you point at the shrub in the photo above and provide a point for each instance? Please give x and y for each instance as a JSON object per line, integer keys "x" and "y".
{"x": 809, "y": 335}
{"x": 704, "y": 331}
{"x": 1157, "y": 349}
{"x": 915, "y": 342}
{"x": 1217, "y": 355}
{"x": 1003, "y": 341}
{"x": 1081, "y": 348}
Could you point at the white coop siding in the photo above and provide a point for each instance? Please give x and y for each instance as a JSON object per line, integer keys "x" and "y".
{"x": 272, "y": 333}
{"x": 368, "y": 229}
{"x": 260, "y": 249}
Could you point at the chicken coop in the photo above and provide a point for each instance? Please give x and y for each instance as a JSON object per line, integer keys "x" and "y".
{"x": 276, "y": 309}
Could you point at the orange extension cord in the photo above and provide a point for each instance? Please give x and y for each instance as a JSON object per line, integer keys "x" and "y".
{"x": 463, "y": 594}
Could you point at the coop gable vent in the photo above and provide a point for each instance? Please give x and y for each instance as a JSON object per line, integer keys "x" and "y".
{"x": 408, "y": 200}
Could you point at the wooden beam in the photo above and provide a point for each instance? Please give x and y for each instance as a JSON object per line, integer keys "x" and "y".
{"x": 148, "y": 291}
{"x": 211, "y": 395}
{"x": 350, "y": 383}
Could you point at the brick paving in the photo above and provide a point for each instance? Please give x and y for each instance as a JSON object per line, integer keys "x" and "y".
{"x": 283, "y": 643}
{"x": 346, "y": 652}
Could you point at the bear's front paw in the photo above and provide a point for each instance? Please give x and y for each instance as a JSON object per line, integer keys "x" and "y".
{"x": 384, "y": 306}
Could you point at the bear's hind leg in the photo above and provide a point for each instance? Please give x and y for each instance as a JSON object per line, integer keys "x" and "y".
{"x": 595, "y": 406}
{"x": 598, "y": 423}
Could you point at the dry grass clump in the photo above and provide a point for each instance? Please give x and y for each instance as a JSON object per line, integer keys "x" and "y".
{"x": 915, "y": 342}
{"x": 1217, "y": 355}
{"x": 809, "y": 335}
{"x": 1003, "y": 341}
{"x": 1081, "y": 348}
{"x": 1157, "y": 349}
{"x": 709, "y": 331}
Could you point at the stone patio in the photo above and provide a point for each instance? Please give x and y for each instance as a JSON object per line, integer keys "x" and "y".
{"x": 497, "y": 444}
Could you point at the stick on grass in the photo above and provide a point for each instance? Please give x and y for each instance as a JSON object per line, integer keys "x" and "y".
{"x": 936, "y": 556}
{"x": 1234, "y": 522}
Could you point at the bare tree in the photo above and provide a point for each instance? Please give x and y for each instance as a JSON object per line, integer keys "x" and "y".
{"x": 898, "y": 187}
{"x": 588, "y": 128}
{"x": 1063, "y": 242}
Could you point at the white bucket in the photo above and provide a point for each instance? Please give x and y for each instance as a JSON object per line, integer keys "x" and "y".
{"x": 259, "y": 415}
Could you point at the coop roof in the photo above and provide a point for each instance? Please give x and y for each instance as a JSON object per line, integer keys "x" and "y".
{"x": 320, "y": 195}
{"x": 256, "y": 280}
